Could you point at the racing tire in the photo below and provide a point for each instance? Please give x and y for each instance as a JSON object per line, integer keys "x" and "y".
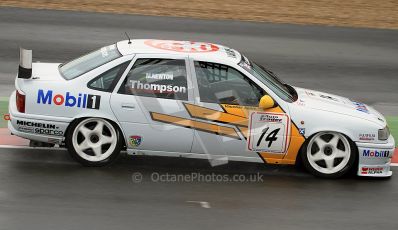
{"x": 94, "y": 142}
{"x": 329, "y": 155}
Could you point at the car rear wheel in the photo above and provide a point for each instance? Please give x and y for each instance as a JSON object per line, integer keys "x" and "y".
{"x": 329, "y": 154}
{"x": 93, "y": 141}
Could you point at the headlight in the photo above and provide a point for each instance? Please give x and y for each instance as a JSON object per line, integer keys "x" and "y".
{"x": 384, "y": 134}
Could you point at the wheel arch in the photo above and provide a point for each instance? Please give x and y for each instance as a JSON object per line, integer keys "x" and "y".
{"x": 112, "y": 121}
{"x": 319, "y": 130}
{"x": 347, "y": 132}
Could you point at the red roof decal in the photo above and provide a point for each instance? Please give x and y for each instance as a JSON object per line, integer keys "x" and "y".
{"x": 182, "y": 46}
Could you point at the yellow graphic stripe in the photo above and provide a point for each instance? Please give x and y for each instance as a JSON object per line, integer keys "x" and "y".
{"x": 214, "y": 115}
{"x": 198, "y": 125}
{"x": 244, "y": 131}
{"x": 238, "y": 110}
{"x": 296, "y": 141}
{"x": 244, "y": 111}
{"x": 234, "y": 115}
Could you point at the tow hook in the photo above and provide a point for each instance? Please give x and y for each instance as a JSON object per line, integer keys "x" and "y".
{"x": 7, "y": 117}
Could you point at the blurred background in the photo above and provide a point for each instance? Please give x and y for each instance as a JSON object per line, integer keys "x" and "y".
{"x": 358, "y": 13}
{"x": 345, "y": 47}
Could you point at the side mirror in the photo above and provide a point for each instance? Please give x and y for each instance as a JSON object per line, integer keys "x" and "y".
{"x": 266, "y": 102}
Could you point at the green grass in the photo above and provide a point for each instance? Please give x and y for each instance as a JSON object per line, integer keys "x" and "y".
{"x": 393, "y": 125}
{"x": 3, "y": 110}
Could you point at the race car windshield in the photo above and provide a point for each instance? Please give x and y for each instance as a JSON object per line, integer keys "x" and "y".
{"x": 88, "y": 62}
{"x": 284, "y": 91}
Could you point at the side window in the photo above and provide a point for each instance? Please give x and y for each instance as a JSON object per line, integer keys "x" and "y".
{"x": 223, "y": 84}
{"x": 107, "y": 81}
{"x": 160, "y": 78}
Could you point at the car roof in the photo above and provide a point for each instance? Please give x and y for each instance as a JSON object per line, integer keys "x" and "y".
{"x": 203, "y": 51}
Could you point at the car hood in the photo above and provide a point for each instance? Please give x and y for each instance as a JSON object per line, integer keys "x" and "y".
{"x": 337, "y": 104}
{"x": 46, "y": 72}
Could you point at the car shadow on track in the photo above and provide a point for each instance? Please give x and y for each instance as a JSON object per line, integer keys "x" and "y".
{"x": 59, "y": 161}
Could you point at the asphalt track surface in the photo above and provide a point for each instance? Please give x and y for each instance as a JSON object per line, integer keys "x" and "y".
{"x": 43, "y": 189}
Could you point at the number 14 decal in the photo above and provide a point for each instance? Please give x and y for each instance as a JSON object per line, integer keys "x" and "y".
{"x": 268, "y": 132}
{"x": 270, "y": 138}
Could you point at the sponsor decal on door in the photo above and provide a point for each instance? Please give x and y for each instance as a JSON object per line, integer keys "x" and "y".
{"x": 80, "y": 100}
{"x": 268, "y": 132}
{"x": 233, "y": 121}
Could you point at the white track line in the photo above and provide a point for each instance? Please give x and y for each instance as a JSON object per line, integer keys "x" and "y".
{"x": 28, "y": 147}
{"x": 203, "y": 204}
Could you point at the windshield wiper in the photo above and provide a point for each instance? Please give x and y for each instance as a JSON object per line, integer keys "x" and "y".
{"x": 292, "y": 91}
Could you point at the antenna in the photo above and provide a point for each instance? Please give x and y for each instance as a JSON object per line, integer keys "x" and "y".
{"x": 128, "y": 37}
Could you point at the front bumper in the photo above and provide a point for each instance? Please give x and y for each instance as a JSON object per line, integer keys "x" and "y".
{"x": 375, "y": 159}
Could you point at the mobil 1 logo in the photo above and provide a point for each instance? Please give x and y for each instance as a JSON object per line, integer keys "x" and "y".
{"x": 68, "y": 99}
{"x": 93, "y": 101}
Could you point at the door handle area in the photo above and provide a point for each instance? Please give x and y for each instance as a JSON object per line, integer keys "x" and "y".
{"x": 128, "y": 106}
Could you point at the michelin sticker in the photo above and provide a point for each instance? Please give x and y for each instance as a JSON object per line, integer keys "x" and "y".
{"x": 268, "y": 132}
{"x": 39, "y": 128}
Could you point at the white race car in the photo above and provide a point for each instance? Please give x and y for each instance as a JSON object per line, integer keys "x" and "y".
{"x": 193, "y": 99}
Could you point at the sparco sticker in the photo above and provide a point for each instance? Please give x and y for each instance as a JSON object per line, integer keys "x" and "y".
{"x": 39, "y": 128}
{"x": 182, "y": 46}
{"x": 268, "y": 132}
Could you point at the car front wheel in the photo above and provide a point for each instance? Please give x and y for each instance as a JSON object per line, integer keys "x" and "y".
{"x": 93, "y": 141}
{"x": 329, "y": 154}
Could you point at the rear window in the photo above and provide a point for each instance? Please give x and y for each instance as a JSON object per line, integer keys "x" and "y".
{"x": 88, "y": 62}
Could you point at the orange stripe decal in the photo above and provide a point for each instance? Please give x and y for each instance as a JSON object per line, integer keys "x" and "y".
{"x": 238, "y": 110}
{"x": 214, "y": 115}
{"x": 198, "y": 125}
{"x": 244, "y": 131}
{"x": 238, "y": 116}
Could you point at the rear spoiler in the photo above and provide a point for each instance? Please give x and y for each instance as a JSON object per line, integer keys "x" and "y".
{"x": 25, "y": 63}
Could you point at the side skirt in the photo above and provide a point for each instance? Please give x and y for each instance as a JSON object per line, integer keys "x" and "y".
{"x": 194, "y": 155}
